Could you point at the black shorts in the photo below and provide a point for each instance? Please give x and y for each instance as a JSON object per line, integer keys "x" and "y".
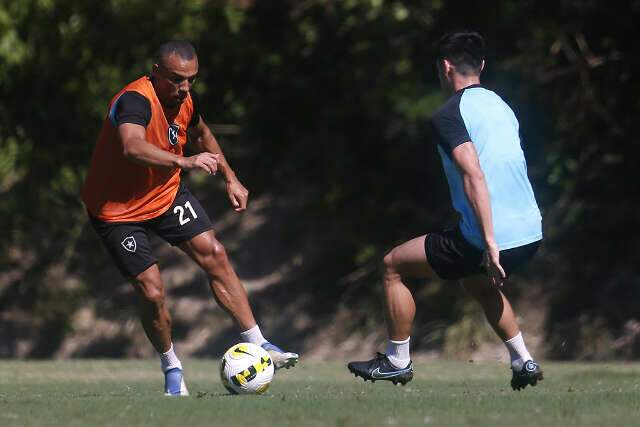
{"x": 128, "y": 242}
{"x": 452, "y": 257}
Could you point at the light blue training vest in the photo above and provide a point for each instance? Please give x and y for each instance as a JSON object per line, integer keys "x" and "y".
{"x": 493, "y": 129}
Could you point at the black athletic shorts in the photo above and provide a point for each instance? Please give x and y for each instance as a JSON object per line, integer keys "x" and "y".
{"x": 452, "y": 257}
{"x": 128, "y": 242}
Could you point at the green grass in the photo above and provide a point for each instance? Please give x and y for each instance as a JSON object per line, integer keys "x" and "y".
{"x": 128, "y": 393}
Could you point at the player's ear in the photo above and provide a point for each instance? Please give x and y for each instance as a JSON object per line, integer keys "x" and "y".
{"x": 155, "y": 68}
{"x": 482, "y": 66}
{"x": 447, "y": 66}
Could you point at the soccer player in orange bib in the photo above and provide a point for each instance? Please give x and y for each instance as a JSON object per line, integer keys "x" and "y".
{"x": 133, "y": 186}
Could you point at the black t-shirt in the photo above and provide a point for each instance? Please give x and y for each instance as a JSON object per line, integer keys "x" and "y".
{"x": 134, "y": 108}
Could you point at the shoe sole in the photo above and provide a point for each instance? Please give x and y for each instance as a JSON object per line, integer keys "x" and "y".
{"x": 401, "y": 379}
{"x": 522, "y": 383}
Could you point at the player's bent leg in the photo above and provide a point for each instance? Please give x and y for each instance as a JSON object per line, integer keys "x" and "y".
{"x": 152, "y": 308}
{"x": 231, "y": 295}
{"x": 495, "y": 305}
{"x": 500, "y": 315}
{"x": 156, "y": 322}
{"x": 211, "y": 256}
{"x": 404, "y": 261}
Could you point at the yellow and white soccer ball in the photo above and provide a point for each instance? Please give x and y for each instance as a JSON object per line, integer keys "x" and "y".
{"x": 246, "y": 369}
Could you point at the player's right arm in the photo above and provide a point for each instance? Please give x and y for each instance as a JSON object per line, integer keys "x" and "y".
{"x": 136, "y": 149}
{"x": 131, "y": 114}
{"x": 466, "y": 160}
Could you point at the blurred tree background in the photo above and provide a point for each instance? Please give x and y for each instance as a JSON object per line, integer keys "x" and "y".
{"x": 322, "y": 108}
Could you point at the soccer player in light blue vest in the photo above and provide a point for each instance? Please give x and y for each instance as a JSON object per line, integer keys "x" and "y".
{"x": 500, "y": 224}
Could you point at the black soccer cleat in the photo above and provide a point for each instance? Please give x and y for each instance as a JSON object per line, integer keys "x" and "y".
{"x": 530, "y": 374}
{"x": 380, "y": 368}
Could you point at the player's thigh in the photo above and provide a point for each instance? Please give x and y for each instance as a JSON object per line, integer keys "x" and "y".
{"x": 410, "y": 259}
{"x": 128, "y": 244}
{"x": 205, "y": 249}
{"x": 184, "y": 220}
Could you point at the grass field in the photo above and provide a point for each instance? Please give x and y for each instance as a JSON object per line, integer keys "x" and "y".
{"x": 128, "y": 393}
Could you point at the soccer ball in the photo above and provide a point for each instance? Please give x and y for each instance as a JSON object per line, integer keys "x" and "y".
{"x": 246, "y": 369}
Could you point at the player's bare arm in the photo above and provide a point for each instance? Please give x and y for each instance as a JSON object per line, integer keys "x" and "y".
{"x": 475, "y": 187}
{"x": 207, "y": 143}
{"x": 136, "y": 148}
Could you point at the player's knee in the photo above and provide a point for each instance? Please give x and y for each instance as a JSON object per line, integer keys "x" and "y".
{"x": 154, "y": 294}
{"x": 390, "y": 274}
{"x": 218, "y": 251}
{"x": 215, "y": 258}
{"x": 150, "y": 289}
{"x": 388, "y": 264}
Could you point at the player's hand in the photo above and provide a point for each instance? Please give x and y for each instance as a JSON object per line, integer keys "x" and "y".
{"x": 492, "y": 264}
{"x": 208, "y": 162}
{"x": 238, "y": 195}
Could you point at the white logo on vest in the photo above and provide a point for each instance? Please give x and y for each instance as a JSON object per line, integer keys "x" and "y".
{"x": 173, "y": 133}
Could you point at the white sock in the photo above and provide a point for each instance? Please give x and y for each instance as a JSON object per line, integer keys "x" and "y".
{"x": 253, "y": 336}
{"x": 518, "y": 352}
{"x": 169, "y": 360}
{"x": 398, "y": 353}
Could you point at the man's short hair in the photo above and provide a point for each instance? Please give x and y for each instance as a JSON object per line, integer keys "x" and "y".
{"x": 464, "y": 49}
{"x": 182, "y": 48}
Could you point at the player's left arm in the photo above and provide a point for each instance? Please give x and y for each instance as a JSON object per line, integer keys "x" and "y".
{"x": 466, "y": 160}
{"x": 204, "y": 140}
